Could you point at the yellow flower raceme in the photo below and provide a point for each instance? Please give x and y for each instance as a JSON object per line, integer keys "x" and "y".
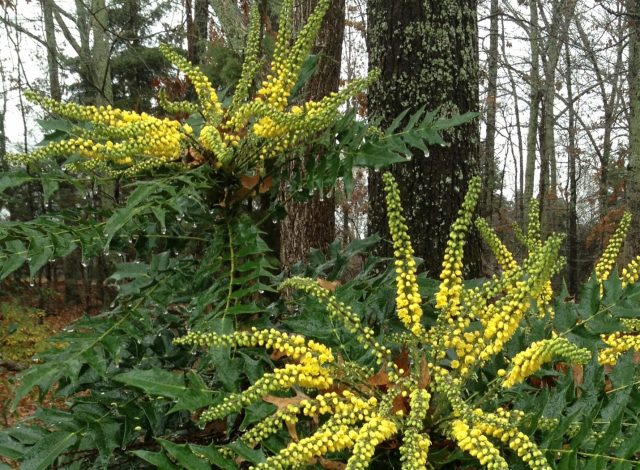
{"x": 448, "y": 296}
{"x": 529, "y": 361}
{"x": 500, "y": 251}
{"x": 376, "y": 430}
{"x": 534, "y": 237}
{"x": 619, "y": 343}
{"x": 118, "y": 137}
{"x": 473, "y": 441}
{"x": 415, "y": 444}
{"x": 408, "y": 299}
{"x": 341, "y": 312}
{"x": 608, "y": 258}
{"x": 207, "y": 96}
{"x": 518, "y": 442}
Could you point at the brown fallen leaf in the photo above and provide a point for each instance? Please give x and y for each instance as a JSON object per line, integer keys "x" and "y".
{"x": 425, "y": 376}
{"x": 331, "y": 286}
{"x": 249, "y": 182}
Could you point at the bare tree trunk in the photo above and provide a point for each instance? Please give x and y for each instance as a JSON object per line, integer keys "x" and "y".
{"x": 559, "y": 28}
{"x": 101, "y": 53}
{"x": 312, "y": 224}
{"x": 572, "y": 154}
{"x": 489, "y": 163}
{"x": 52, "y": 50}
{"x": 534, "y": 105}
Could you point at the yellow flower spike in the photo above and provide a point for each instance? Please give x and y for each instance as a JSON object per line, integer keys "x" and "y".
{"x": 251, "y": 63}
{"x": 529, "y": 361}
{"x": 618, "y": 343}
{"x": 415, "y": 445}
{"x": 448, "y": 296}
{"x": 501, "y": 319}
{"x": 207, "y": 96}
{"x": 341, "y": 312}
{"x": 534, "y": 237}
{"x": 119, "y": 137}
{"x": 376, "y": 430}
{"x": 176, "y": 107}
{"x": 518, "y": 442}
{"x": 608, "y": 258}
{"x": 408, "y": 299}
{"x": 474, "y": 442}
{"x": 500, "y": 251}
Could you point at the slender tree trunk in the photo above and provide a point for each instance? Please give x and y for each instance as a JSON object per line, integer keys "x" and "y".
{"x": 562, "y": 16}
{"x": 489, "y": 163}
{"x": 427, "y": 53}
{"x": 312, "y": 224}
{"x": 534, "y": 105}
{"x": 201, "y": 20}
{"x": 100, "y": 52}
{"x": 572, "y": 154}
{"x": 52, "y": 50}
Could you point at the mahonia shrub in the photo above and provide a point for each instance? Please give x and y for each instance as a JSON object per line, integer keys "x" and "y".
{"x": 185, "y": 238}
{"x": 413, "y": 390}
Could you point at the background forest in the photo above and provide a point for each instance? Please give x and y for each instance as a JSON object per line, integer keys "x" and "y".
{"x": 373, "y": 191}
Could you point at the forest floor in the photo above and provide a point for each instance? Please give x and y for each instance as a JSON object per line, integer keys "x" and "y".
{"x": 57, "y": 315}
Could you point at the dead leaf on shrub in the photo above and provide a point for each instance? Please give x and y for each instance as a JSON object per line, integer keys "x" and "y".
{"x": 332, "y": 464}
{"x": 331, "y": 286}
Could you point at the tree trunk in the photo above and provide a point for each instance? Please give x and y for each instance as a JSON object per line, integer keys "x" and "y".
{"x": 312, "y": 224}
{"x": 489, "y": 160}
{"x": 427, "y": 53}
{"x": 534, "y": 105}
{"x": 100, "y": 52}
{"x": 572, "y": 154}
{"x": 633, "y": 182}
{"x": 52, "y": 50}
{"x": 201, "y": 20}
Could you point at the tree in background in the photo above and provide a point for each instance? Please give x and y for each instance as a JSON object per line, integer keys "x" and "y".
{"x": 428, "y": 54}
{"x": 312, "y": 224}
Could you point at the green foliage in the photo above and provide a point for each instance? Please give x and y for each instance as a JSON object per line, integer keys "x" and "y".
{"x": 190, "y": 250}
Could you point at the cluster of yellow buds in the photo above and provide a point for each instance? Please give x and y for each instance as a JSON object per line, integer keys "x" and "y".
{"x": 533, "y": 239}
{"x": 505, "y": 318}
{"x": 121, "y": 138}
{"x": 610, "y": 254}
{"x": 618, "y": 344}
{"x": 448, "y": 296}
{"x": 207, "y": 96}
{"x": 415, "y": 444}
{"x": 376, "y": 430}
{"x": 341, "y": 312}
{"x": 408, "y": 299}
{"x": 631, "y": 272}
{"x": 529, "y": 361}
{"x": 308, "y": 372}
{"x": 504, "y": 257}
{"x": 473, "y": 441}
{"x": 518, "y": 442}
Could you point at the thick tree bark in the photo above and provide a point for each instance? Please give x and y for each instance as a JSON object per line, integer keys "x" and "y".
{"x": 427, "y": 53}
{"x": 633, "y": 178}
{"x": 312, "y": 224}
{"x": 201, "y": 20}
